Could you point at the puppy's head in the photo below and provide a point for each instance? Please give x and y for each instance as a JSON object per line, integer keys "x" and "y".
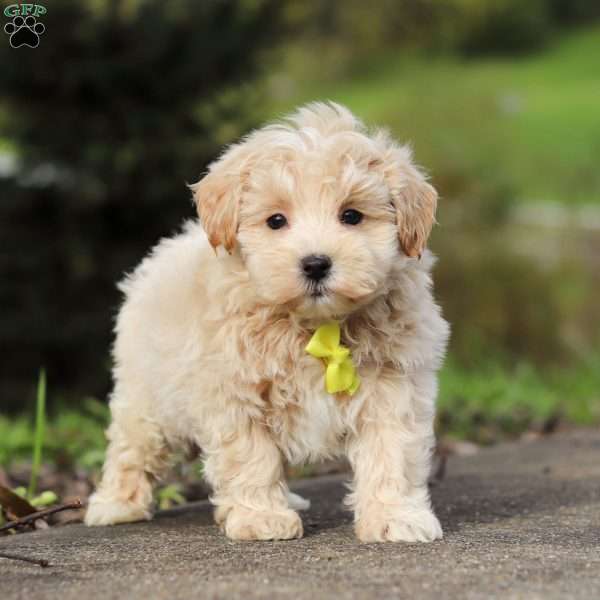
{"x": 320, "y": 210}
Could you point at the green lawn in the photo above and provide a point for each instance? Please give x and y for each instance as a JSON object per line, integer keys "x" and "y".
{"x": 532, "y": 124}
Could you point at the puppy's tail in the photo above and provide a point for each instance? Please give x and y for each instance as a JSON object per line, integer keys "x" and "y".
{"x": 297, "y": 502}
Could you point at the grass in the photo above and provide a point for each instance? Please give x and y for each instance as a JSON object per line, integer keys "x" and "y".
{"x": 484, "y": 404}
{"x": 492, "y": 401}
{"x": 531, "y": 124}
{"x": 38, "y": 436}
{"x": 74, "y": 437}
{"x": 75, "y": 444}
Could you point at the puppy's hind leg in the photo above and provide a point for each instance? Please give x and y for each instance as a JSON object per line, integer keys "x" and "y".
{"x": 137, "y": 455}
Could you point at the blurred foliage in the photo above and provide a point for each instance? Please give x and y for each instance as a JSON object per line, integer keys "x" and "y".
{"x": 503, "y": 26}
{"x": 74, "y": 436}
{"x": 127, "y": 100}
{"x": 342, "y": 34}
{"x": 39, "y": 501}
{"x": 121, "y": 105}
{"x": 493, "y": 400}
{"x": 169, "y": 496}
{"x": 493, "y": 300}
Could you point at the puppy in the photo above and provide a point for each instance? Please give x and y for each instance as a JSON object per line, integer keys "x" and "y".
{"x": 310, "y": 228}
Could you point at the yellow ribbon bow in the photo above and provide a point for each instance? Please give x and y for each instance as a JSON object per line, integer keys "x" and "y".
{"x": 340, "y": 375}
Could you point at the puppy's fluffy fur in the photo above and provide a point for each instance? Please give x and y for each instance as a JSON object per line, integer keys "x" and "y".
{"x": 210, "y": 349}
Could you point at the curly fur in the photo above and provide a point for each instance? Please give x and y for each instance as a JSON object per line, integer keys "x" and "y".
{"x": 210, "y": 349}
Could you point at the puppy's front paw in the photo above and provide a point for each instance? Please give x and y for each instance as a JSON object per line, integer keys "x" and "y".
{"x": 102, "y": 511}
{"x": 245, "y": 524}
{"x": 383, "y": 524}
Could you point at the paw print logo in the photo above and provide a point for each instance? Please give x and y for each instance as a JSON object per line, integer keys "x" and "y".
{"x": 24, "y": 31}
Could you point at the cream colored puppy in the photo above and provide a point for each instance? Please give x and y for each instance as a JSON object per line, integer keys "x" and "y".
{"x": 316, "y": 220}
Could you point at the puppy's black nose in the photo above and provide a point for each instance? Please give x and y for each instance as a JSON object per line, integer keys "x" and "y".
{"x": 316, "y": 266}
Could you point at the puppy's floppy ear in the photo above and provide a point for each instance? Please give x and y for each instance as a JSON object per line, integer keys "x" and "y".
{"x": 414, "y": 199}
{"x": 415, "y": 213}
{"x": 217, "y": 199}
{"x": 218, "y": 196}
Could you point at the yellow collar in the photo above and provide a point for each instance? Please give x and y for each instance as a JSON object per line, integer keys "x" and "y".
{"x": 340, "y": 374}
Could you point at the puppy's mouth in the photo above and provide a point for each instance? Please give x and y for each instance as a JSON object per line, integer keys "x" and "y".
{"x": 318, "y": 291}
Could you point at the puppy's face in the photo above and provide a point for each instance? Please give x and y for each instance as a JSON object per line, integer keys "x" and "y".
{"x": 317, "y": 233}
{"x": 320, "y": 212}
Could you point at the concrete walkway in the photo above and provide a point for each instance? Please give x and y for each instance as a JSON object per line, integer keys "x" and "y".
{"x": 520, "y": 520}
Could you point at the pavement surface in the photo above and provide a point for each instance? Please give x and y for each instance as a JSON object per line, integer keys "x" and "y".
{"x": 521, "y": 520}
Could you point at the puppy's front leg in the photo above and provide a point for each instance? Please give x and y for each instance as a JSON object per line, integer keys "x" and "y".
{"x": 390, "y": 453}
{"x": 250, "y": 494}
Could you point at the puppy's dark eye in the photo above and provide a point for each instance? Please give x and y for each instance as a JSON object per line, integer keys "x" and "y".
{"x": 276, "y": 221}
{"x": 351, "y": 217}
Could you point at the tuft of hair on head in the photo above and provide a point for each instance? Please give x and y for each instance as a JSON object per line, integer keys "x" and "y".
{"x": 325, "y": 117}
{"x": 218, "y": 195}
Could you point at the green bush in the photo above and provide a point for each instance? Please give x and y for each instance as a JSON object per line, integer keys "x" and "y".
{"x": 503, "y": 26}
{"x": 74, "y": 436}
{"x": 570, "y": 12}
{"x": 120, "y": 106}
{"x": 499, "y": 303}
{"x": 333, "y": 38}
